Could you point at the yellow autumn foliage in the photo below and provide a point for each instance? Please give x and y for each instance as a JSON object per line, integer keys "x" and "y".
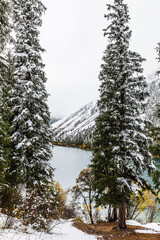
{"x": 60, "y": 192}
{"x": 146, "y": 203}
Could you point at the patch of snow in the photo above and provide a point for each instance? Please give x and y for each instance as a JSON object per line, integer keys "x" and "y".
{"x": 153, "y": 228}
{"x": 66, "y": 231}
{"x": 63, "y": 231}
{"x": 146, "y": 231}
{"x": 133, "y": 223}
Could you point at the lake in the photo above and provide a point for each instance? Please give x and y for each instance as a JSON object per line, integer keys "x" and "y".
{"x": 68, "y": 162}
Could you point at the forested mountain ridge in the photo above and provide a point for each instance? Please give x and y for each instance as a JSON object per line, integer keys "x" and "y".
{"x": 78, "y": 127}
{"x": 153, "y": 100}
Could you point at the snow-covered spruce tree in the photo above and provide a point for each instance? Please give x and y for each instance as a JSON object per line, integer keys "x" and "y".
{"x": 10, "y": 196}
{"x": 4, "y": 124}
{"x": 5, "y": 131}
{"x": 120, "y": 153}
{"x": 155, "y": 130}
{"x": 4, "y": 152}
{"x": 32, "y": 134}
{"x": 4, "y": 24}
{"x": 4, "y": 39}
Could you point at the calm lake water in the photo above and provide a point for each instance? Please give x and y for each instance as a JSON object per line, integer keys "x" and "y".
{"x": 68, "y": 162}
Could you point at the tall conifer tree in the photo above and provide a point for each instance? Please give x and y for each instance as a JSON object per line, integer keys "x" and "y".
{"x": 155, "y": 131}
{"x": 32, "y": 135}
{"x": 4, "y": 24}
{"x": 4, "y": 124}
{"x": 120, "y": 153}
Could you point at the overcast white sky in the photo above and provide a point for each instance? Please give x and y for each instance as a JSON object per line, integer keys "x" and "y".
{"x": 73, "y": 38}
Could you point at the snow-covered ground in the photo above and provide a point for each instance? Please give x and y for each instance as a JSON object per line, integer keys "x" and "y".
{"x": 62, "y": 231}
{"x": 153, "y": 228}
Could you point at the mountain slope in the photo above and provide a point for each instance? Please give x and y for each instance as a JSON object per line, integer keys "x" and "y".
{"x": 78, "y": 127}
{"x": 153, "y": 100}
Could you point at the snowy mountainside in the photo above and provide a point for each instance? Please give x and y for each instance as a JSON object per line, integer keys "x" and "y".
{"x": 53, "y": 120}
{"x": 78, "y": 127}
{"x": 153, "y": 100}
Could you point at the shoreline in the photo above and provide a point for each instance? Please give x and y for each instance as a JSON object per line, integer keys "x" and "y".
{"x": 82, "y": 147}
{"x": 85, "y": 148}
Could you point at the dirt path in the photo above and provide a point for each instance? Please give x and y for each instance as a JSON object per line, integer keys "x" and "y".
{"x": 106, "y": 231}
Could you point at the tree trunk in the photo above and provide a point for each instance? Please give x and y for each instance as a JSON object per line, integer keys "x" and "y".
{"x": 129, "y": 212}
{"x": 109, "y": 214}
{"x": 115, "y": 215}
{"x": 112, "y": 214}
{"x": 122, "y": 214}
{"x": 91, "y": 216}
{"x": 90, "y": 206}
